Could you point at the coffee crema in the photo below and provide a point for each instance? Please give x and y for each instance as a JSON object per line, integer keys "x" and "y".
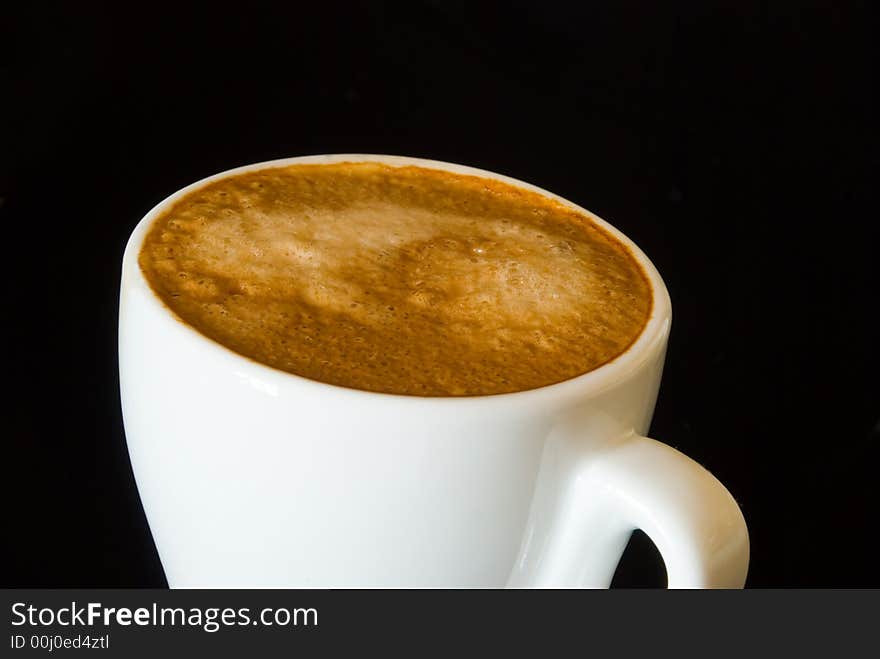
{"x": 404, "y": 280}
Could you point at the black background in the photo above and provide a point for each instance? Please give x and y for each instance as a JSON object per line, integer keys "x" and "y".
{"x": 733, "y": 142}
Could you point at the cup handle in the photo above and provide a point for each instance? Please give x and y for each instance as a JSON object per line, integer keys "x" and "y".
{"x": 588, "y": 500}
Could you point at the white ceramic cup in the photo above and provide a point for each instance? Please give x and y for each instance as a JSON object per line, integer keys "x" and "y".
{"x": 252, "y": 477}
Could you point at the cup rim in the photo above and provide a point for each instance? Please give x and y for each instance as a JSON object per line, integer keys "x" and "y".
{"x": 652, "y": 337}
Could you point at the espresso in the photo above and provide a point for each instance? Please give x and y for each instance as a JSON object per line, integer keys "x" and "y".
{"x": 402, "y": 280}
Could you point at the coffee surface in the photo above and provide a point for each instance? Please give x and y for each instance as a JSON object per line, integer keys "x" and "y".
{"x": 401, "y": 280}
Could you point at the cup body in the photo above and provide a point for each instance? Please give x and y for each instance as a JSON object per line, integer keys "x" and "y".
{"x": 252, "y": 477}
